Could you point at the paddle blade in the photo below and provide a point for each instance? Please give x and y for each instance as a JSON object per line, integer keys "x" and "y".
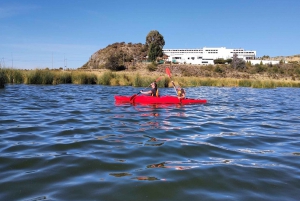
{"x": 168, "y": 71}
{"x": 157, "y": 79}
{"x": 133, "y": 97}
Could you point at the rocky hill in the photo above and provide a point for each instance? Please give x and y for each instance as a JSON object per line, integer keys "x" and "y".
{"x": 126, "y": 53}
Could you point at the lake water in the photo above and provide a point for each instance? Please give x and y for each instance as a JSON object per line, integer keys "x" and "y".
{"x": 72, "y": 142}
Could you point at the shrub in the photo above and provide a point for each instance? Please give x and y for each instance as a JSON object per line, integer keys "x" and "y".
{"x": 152, "y": 67}
{"x": 219, "y": 61}
{"x": 229, "y": 61}
{"x": 218, "y": 69}
{"x": 113, "y": 62}
{"x": 259, "y": 68}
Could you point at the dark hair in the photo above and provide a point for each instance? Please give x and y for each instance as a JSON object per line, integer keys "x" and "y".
{"x": 155, "y": 85}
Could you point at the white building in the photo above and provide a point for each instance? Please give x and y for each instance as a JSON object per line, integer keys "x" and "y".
{"x": 207, "y": 55}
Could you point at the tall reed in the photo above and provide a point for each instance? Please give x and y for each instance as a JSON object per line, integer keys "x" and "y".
{"x": 245, "y": 83}
{"x": 105, "y": 78}
{"x": 13, "y": 75}
{"x": 138, "y": 81}
{"x": 83, "y": 78}
{"x": 2, "y": 78}
{"x": 39, "y": 77}
{"x": 123, "y": 80}
{"x": 62, "y": 77}
{"x": 129, "y": 79}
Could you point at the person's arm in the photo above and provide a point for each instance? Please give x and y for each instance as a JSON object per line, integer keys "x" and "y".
{"x": 146, "y": 92}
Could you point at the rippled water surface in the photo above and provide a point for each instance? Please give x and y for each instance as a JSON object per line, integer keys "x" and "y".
{"x": 72, "y": 142}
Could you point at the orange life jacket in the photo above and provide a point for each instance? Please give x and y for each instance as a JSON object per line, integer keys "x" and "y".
{"x": 180, "y": 92}
{"x": 156, "y": 93}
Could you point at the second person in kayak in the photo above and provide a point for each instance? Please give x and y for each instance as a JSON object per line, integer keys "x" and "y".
{"x": 153, "y": 91}
{"x": 180, "y": 91}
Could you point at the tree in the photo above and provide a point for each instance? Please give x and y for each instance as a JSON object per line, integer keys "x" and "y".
{"x": 265, "y": 57}
{"x": 154, "y": 52}
{"x": 229, "y": 61}
{"x": 155, "y": 43}
{"x": 238, "y": 63}
{"x": 219, "y": 61}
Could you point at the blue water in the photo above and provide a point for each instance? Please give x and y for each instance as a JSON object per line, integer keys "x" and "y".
{"x": 72, "y": 142}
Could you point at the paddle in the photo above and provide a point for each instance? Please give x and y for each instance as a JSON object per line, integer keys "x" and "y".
{"x": 169, "y": 74}
{"x": 133, "y": 97}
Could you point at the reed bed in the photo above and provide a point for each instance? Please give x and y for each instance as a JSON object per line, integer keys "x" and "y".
{"x": 2, "y": 78}
{"x": 47, "y": 77}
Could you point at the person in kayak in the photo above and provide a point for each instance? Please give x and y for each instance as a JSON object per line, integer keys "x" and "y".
{"x": 180, "y": 92}
{"x": 153, "y": 91}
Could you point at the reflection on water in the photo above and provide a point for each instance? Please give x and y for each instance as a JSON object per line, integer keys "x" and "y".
{"x": 120, "y": 174}
{"x": 72, "y": 142}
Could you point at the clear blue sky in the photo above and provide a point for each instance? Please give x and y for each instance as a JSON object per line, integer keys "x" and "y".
{"x": 54, "y": 33}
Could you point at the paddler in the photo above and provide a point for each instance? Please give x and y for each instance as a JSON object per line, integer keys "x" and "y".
{"x": 153, "y": 91}
{"x": 180, "y": 91}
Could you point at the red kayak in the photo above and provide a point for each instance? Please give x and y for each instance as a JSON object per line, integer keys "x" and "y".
{"x": 158, "y": 100}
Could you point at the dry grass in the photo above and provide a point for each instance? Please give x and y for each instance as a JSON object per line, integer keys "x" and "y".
{"x": 138, "y": 78}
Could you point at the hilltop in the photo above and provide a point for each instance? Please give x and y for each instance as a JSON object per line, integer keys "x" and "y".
{"x": 125, "y": 53}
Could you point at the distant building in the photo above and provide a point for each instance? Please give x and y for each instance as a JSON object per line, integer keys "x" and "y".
{"x": 206, "y": 56}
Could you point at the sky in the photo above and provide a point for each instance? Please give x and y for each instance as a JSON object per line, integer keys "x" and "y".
{"x": 65, "y": 33}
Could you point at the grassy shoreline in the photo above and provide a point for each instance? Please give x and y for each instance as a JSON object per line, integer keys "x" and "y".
{"x": 138, "y": 78}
